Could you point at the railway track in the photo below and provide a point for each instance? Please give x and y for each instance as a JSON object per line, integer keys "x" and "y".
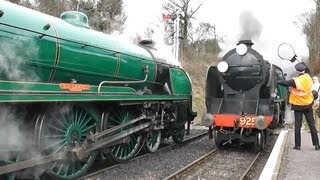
{"x": 103, "y": 168}
{"x": 196, "y": 167}
{"x": 246, "y": 173}
{"x": 192, "y": 166}
{"x": 229, "y": 163}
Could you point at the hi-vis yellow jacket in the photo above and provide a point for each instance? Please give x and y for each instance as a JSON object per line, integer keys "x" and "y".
{"x": 302, "y": 94}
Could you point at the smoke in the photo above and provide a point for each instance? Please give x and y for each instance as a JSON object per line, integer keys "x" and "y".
{"x": 17, "y": 136}
{"x": 13, "y": 133}
{"x": 9, "y": 132}
{"x": 13, "y": 60}
{"x": 250, "y": 27}
{"x": 13, "y": 56}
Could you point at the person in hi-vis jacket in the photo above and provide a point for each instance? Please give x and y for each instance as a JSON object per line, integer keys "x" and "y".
{"x": 301, "y": 100}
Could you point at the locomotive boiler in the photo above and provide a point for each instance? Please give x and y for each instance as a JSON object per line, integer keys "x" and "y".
{"x": 69, "y": 94}
{"x": 242, "y": 98}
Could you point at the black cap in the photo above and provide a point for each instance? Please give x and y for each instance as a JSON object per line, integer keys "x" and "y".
{"x": 300, "y": 67}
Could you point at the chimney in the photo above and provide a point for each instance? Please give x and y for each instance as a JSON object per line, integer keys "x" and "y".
{"x": 249, "y": 43}
{"x": 147, "y": 43}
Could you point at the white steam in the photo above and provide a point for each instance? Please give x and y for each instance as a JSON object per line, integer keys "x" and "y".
{"x": 13, "y": 134}
{"x": 147, "y": 24}
{"x": 289, "y": 115}
{"x": 13, "y": 57}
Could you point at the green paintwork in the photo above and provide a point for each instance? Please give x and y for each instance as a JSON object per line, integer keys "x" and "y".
{"x": 66, "y": 52}
{"x": 277, "y": 75}
{"x": 283, "y": 92}
{"x": 39, "y": 52}
{"x": 21, "y": 51}
{"x": 13, "y": 91}
{"x": 48, "y": 49}
{"x": 34, "y": 87}
{"x": 181, "y": 84}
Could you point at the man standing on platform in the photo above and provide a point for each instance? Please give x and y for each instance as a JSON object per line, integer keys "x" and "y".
{"x": 301, "y": 100}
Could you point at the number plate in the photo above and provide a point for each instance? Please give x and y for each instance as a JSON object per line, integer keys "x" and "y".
{"x": 247, "y": 121}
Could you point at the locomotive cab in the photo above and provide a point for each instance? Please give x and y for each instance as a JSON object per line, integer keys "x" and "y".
{"x": 162, "y": 82}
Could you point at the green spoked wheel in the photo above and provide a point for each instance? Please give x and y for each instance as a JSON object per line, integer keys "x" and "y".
{"x": 65, "y": 127}
{"x": 152, "y": 141}
{"x": 129, "y": 146}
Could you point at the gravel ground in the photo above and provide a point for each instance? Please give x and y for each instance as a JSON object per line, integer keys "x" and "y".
{"x": 161, "y": 164}
{"x": 224, "y": 166}
{"x": 232, "y": 162}
{"x": 255, "y": 173}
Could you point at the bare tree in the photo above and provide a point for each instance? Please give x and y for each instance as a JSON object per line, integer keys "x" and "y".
{"x": 25, "y": 3}
{"x": 183, "y": 7}
{"x": 52, "y": 7}
{"x": 317, "y": 4}
{"x": 104, "y": 15}
{"x": 311, "y": 28}
{"x": 203, "y": 31}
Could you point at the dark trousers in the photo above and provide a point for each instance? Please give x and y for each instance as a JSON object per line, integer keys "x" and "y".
{"x": 308, "y": 113}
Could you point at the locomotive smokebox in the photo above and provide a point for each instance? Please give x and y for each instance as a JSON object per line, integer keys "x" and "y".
{"x": 246, "y": 68}
{"x": 248, "y": 43}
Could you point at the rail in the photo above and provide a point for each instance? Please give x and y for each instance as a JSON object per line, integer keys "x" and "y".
{"x": 249, "y": 168}
{"x": 179, "y": 174}
{"x": 162, "y": 149}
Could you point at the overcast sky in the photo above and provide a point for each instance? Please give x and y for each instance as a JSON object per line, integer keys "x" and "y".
{"x": 279, "y": 20}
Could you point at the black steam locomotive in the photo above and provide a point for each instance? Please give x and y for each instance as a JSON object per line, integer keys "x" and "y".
{"x": 242, "y": 98}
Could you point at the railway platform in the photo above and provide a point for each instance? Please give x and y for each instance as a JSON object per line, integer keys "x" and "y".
{"x": 286, "y": 163}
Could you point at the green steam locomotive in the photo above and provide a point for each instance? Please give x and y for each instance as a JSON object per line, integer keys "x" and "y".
{"x": 70, "y": 95}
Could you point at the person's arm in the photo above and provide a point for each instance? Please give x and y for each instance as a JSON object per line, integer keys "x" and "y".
{"x": 287, "y": 83}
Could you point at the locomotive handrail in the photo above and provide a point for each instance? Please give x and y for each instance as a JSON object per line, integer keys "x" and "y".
{"x": 122, "y": 82}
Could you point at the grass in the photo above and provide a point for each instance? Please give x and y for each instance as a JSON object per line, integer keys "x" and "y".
{"x": 197, "y": 69}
